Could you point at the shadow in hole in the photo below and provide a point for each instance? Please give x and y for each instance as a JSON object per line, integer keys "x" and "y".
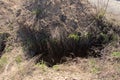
{"x": 3, "y": 37}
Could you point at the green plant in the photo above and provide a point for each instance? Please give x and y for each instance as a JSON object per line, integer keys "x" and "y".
{"x": 74, "y": 36}
{"x": 41, "y": 64}
{"x": 37, "y": 11}
{"x": 115, "y": 37}
{"x": 105, "y": 37}
{"x": 92, "y": 62}
{"x": 56, "y": 67}
{"x": 3, "y": 61}
{"x": 94, "y": 68}
{"x": 18, "y": 59}
{"x": 116, "y": 54}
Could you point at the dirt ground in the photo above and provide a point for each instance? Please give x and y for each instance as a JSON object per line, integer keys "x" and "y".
{"x": 15, "y": 66}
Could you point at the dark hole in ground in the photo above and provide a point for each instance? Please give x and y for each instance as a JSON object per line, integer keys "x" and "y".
{"x": 53, "y": 51}
{"x": 3, "y": 37}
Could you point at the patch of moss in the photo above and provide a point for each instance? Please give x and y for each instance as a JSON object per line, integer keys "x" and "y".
{"x": 94, "y": 68}
{"x": 41, "y": 64}
{"x": 3, "y": 61}
{"x": 18, "y": 59}
{"x": 75, "y": 37}
{"x": 116, "y": 54}
{"x": 37, "y": 11}
{"x": 56, "y": 67}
